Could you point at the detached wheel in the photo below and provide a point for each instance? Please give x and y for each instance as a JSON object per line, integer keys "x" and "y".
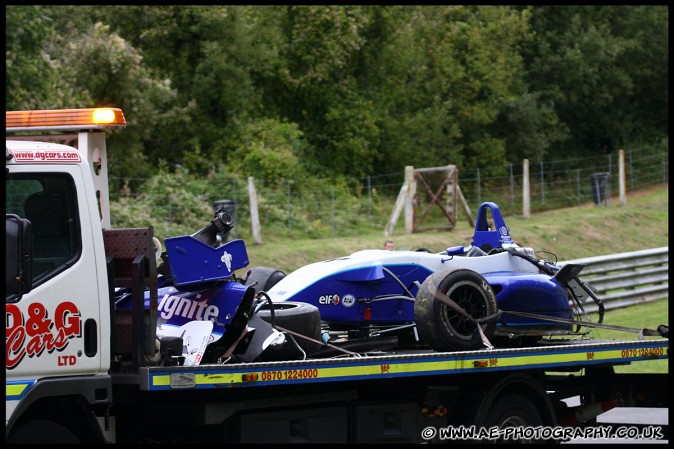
{"x": 264, "y": 278}
{"x": 443, "y": 328}
{"x": 298, "y": 317}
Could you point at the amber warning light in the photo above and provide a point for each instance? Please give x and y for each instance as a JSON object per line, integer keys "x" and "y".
{"x": 64, "y": 119}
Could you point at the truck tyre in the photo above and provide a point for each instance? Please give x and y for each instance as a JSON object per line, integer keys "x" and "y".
{"x": 42, "y": 431}
{"x": 298, "y": 317}
{"x": 443, "y": 328}
{"x": 513, "y": 410}
{"x": 265, "y": 277}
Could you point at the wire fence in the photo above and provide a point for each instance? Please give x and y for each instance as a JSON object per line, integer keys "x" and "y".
{"x": 342, "y": 206}
{"x": 564, "y": 183}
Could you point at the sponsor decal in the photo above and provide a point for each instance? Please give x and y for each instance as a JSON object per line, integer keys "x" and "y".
{"x": 192, "y": 309}
{"x": 348, "y": 300}
{"x": 37, "y": 333}
{"x": 227, "y": 259}
{"x": 504, "y": 232}
{"x": 329, "y": 299}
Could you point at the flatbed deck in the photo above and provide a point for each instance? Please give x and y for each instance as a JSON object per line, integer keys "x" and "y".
{"x": 563, "y": 356}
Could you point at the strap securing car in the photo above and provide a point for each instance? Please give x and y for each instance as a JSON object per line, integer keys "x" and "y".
{"x": 662, "y": 330}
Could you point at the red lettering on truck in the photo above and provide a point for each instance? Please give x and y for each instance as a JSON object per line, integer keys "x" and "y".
{"x": 35, "y": 332}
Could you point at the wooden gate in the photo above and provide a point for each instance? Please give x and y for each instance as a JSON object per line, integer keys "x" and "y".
{"x": 435, "y": 187}
{"x": 424, "y": 189}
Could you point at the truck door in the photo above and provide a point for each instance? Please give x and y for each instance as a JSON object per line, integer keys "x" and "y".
{"x": 54, "y": 329}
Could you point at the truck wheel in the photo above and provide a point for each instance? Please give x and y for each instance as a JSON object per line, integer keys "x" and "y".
{"x": 42, "y": 431}
{"x": 513, "y": 410}
{"x": 265, "y": 277}
{"x": 443, "y": 328}
{"x": 298, "y": 317}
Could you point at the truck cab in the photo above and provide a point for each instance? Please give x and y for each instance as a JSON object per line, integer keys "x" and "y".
{"x": 57, "y": 313}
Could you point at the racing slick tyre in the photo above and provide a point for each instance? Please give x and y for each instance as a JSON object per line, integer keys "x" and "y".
{"x": 300, "y": 318}
{"x": 441, "y": 326}
{"x": 265, "y": 277}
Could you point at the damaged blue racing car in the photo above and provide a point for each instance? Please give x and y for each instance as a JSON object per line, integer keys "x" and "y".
{"x": 462, "y": 298}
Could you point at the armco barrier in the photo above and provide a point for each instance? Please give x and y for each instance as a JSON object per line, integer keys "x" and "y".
{"x": 626, "y": 279}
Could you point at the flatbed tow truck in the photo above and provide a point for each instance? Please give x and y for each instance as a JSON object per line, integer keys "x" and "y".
{"x": 79, "y": 371}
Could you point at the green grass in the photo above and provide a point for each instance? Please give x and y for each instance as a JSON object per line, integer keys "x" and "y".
{"x": 642, "y": 316}
{"x": 569, "y": 233}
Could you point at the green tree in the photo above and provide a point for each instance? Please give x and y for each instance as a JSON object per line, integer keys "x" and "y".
{"x": 84, "y": 63}
{"x": 35, "y": 78}
{"x": 113, "y": 73}
{"x": 530, "y": 128}
{"x": 320, "y": 89}
{"x": 220, "y": 59}
{"x": 446, "y": 73}
{"x": 642, "y": 116}
{"x": 269, "y": 150}
{"x": 605, "y": 70}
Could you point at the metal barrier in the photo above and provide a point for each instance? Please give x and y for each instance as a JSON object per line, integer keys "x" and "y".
{"x": 626, "y": 279}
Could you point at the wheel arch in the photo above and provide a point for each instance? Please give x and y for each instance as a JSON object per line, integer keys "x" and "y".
{"x": 70, "y": 402}
{"x": 70, "y": 412}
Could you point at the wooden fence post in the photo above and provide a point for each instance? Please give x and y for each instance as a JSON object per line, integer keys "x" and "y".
{"x": 409, "y": 199}
{"x": 526, "y": 205}
{"x": 400, "y": 201}
{"x": 254, "y": 217}
{"x": 621, "y": 177}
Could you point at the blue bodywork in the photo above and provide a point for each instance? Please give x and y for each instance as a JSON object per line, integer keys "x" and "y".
{"x": 372, "y": 295}
{"x": 218, "y": 304}
{"x": 193, "y": 261}
{"x": 201, "y": 286}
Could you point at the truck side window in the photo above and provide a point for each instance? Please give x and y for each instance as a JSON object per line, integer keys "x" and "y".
{"x": 48, "y": 201}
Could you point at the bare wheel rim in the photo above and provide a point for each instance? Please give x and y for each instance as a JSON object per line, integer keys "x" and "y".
{"x": 470, "y": 298}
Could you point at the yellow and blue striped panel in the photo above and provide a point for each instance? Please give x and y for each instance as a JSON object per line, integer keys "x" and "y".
{"x": 16, "y": 389}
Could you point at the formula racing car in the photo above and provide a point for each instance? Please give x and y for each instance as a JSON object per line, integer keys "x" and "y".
{"x": 462, "y": 298}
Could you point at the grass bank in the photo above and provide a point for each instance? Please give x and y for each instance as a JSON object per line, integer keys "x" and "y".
{"x": 570, "y": 233}
{"x": 650, "y": 316}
